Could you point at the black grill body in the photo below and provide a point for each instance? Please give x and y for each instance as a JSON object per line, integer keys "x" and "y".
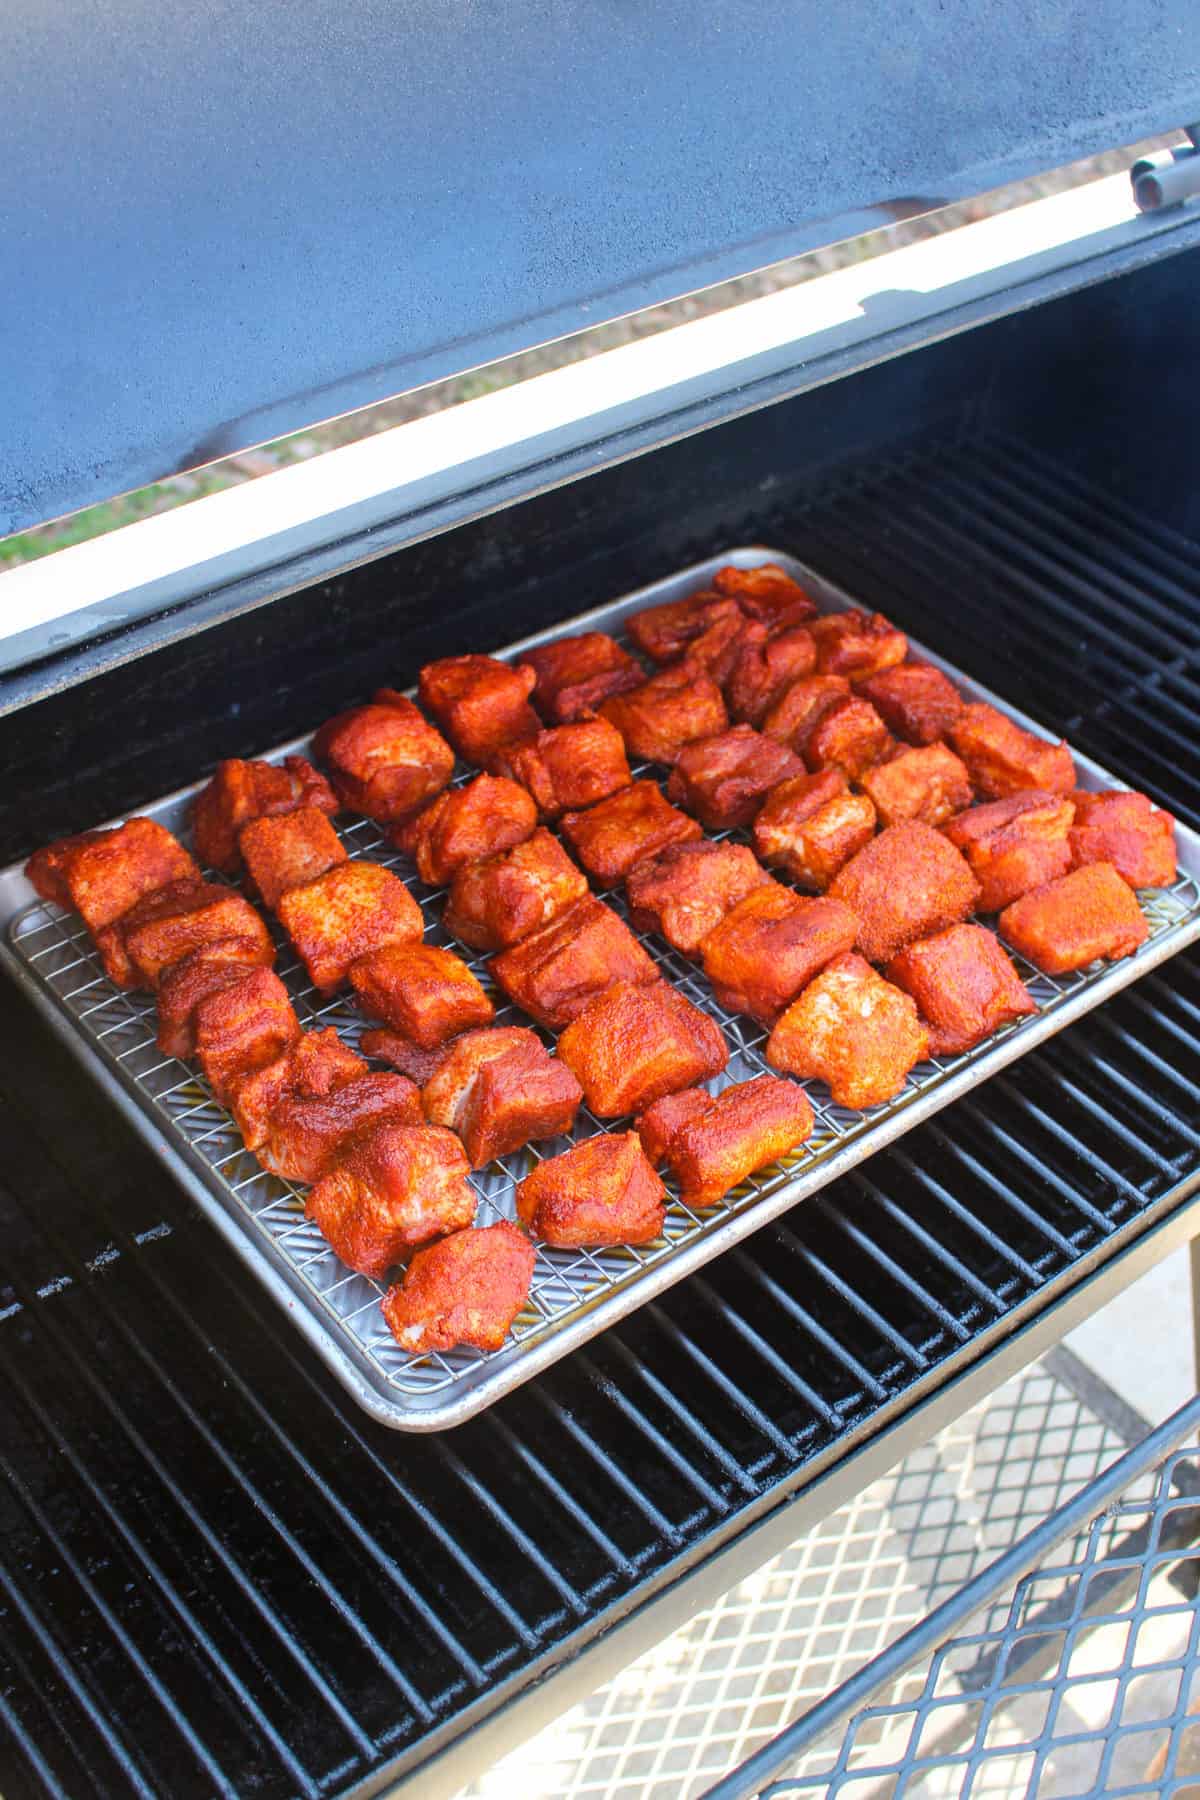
{"x": 216, "y": 1576}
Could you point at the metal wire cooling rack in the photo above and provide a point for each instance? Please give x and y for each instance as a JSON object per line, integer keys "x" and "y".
{"x": 574, "y": 1293}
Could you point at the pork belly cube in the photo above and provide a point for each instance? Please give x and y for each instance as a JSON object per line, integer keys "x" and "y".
{"x": 392, "y": 1186}
{"x": 657, "y": 1126}
{"x": 241, "y": 791}
{"x": 857, "y": 644}
{"x": 799, "y": 709}
{"x": 481, "y": 704}
{"x": 394, "y": 1048}
{"x": 964, "y": 985}
{"x": 169, "y": 924}
{"x": 766, "y": 665}
{"x": 773, "y": 942}
{"x": 600, "y": 1192}
{"x": 505, "y": 898}
{"x": 465, "y": 824}
{"x": 574, "y": 674}
{"x": 811, "y": 825}
{"x": 766, "y": 593}
{"x": 287, "y": 851}
{"x": 1015, "y": 844}
{"x": 317, "y": 1064}
{"x": 724, "y": 780}
{"x": 204, "y": 971}
{"x": 1002, "y": 758}
{"x": 349, "y": 911}
{"x": 685, "y": 891}
{"x": 665, "y": 633}
{"x": 242, "y": 1027}
{"x": 746, "y": 1127}
{"x": 662, "y": 715}
{"x": 385, "y": 759}
{"x": 554, "y": 973}
{"x": 610, "y": 838}
{"x": 719, "y": 647}
{"x": 852, "y": 1030}
{"x": 849, "y": 736}
{"x": 1127, "y": 830}
{"x": 499, "y": 1090}
{"x": 570, "y": 766}
{"x": 904, "y": 884}
{"x": 632, "y": 1044}
{"x": 425, "y": 993}
{"x": 916, "y": 702}
{"x": 1078, "y": 919}
{"x": 309, "y": 1132}
{"x": 929, "y": 783}
{"x": 103, "y": 873}
{"x": 464, "y": 1290}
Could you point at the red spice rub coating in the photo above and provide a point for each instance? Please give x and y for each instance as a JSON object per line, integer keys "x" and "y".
{"x": 662, "y": 715}
{"x": 1069, "y": 923}
{"x": 723, "y": 780}
{"x": 811, "y": 825}
{"x": 904, "y": 884}
{"x": 465, "y": 1290}
{"x": 799, "y": 709}
{"x": 746, "y": 1127}
{"x": 634, "y": 1043}
{"x": 394, "y": 1186}
{"x": 766, "y": 593}
{"x": 465, "y": 824}
{"x": 853, "y": 1030}
{"x": 288, "y": 851}
{"x": 658, "y": 1124}
{"x": 916, "y": 702}
{"x": 929, "y": 783}
{"x": 849, "y": 736}
{"x": 554, "y": 973}
{"x": 767, "y": 663}
{"x": 684, "y": 892}
{"x": 500, "y": 1089}
{"x": 242, "y": 1027}
{"x": 1002, "y": 757}
{"x": 167, "y": 925}
{"x": 574, "y": 674}
{"x": 242, "y": 791}
{"x": 426, "y": 993}
{"x": 569, "y": 766}
{"x": 964, "y": 985}
{"x": 773, "y": 941}
{"x": 1127, "y": 830}
{"x": 103, "y": 873}
{"x": 204, "y": 971}
{"x": 1015, "y": 844}
{"x": 482, "y": 705}
{"x": 673, "y": 628}
{"x": 600, "y": 1192}
{"x": 857, "y": 644}
{"x": 385, "y": 759}
{"x": 349, "y": 911}
{"x": 610, "y": 838}
{"x": 507, "y": 897}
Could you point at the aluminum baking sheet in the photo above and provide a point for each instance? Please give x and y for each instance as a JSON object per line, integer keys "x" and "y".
{"x": 575, "y": 1294}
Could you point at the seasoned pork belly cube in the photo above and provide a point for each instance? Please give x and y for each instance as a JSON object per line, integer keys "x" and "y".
{"x": 674, "y": 629}
{"x": 916, "y": 702}
{"x": 662, "y": 715}
{"x": 929, "y": 784}
{"x": 1015, "y": 844}
{"x": 103, "y": 873}
{"x": 799, "y": 709}
{"x": 724, "y": 780}
{"x": 904, "y": 884}
{"x": 505, "y": 898}
{"x": 1127, "y": 830}
{"x": 852, "y": 1030}
{"x": 767, "y": 663}
{"x": 610, "y": 838}
{"x": 763, "y": 952}
{"x": 632, "y": 1044}
{"x": 425, "y": 993}
{"x": 241, "y": 1028}
{"x": 481, "y": 704}
{"x": 393, "y": 1047}
{"x": 849, "y": 736}
{"x": 766, "y": 593}
{"x": 349, "y": 911}
{"x": 465, "y": 824}
{"x": 1081, "y": 917}
{"x": 308, "y": 1132}
{"x": 499, "y": 1090}
{"x": 746, "y": 1127}
{"x": 811, "y": 825}
{"x": 187, "y": 982}
{"x": 287, "y": 851}
{"x": 1003, "y": 759}
{"x": 685, "y": 891}
{"x": 167, "y": 925}
{"x": 656, "y": 1127}
{"x": 553, "y": 974}
{"x": 315, "y": 1065}
{"x": 242, "y": 791}
{"x": 600, "y": 1192}
{"x": 964, "y": 985}
{"x": 393, "y": 1186}
{"x": 575, "y": 674}
{"x": 385, "y": 759}
{"x": 570, "y": 766}
{"x": 464, "y": 1290}
{"x": 857, "y": 644}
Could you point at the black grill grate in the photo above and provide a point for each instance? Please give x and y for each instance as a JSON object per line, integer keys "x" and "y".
{"x": 218, "y": 1577}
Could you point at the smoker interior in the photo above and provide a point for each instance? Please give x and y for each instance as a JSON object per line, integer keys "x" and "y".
{"x": 216, "y": 1575}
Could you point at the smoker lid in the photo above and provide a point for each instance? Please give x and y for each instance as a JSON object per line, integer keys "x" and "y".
{"x": 225, "y": 222}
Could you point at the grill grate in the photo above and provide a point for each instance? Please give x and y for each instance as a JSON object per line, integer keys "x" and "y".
{"x": 219, "y": 1576}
